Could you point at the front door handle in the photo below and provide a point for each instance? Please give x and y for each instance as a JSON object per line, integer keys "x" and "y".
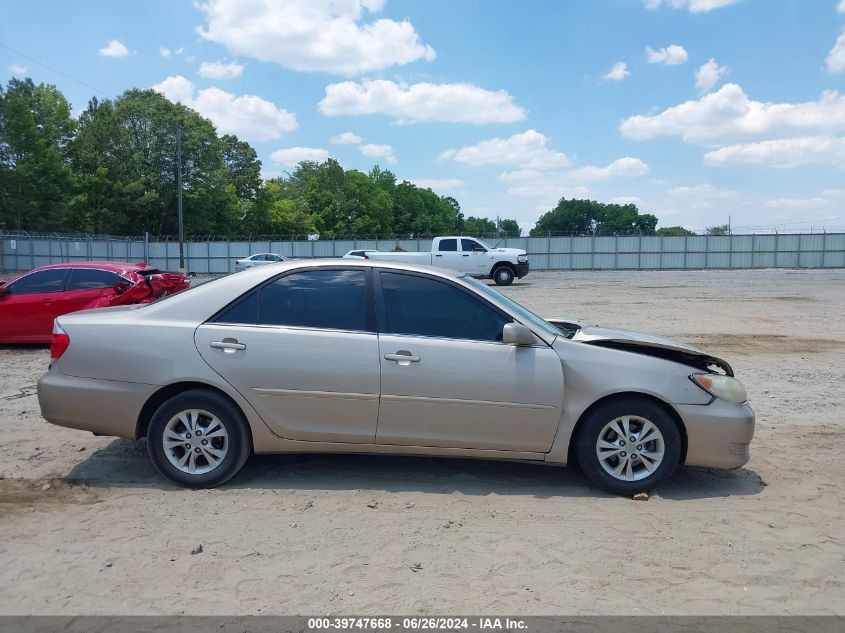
{"x": 466, "y": 255}
{"x": 403, "y": 357}
{"x": 228, "y": 345}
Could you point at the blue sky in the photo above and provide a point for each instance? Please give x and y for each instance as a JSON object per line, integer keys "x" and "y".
{"x": 693, "y": 109}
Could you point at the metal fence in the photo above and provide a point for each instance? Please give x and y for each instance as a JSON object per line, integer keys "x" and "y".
{"x": 23, "y": 251}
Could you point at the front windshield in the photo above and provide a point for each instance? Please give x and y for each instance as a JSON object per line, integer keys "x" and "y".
{"x": 523, "y": 313}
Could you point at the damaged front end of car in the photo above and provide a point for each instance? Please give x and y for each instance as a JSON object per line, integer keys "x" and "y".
{"x": 639, "y": 343}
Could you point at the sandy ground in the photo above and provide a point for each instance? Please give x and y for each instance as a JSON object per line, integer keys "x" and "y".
{"x": 87, "y": 527}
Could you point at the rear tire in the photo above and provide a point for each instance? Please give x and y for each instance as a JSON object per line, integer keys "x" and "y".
{"x": 628, "y": 446}
{"x": 503, "y": 276}
{"x": 198, "y": 439}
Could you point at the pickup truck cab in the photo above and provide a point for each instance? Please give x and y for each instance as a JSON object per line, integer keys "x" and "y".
{"x": 468, "y": 255}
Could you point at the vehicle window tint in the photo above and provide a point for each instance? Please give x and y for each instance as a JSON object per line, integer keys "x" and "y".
{"x": 245, "y": 311}
{"x": 448, "y": 245}
{"x": 89, "y": 279}
{"x": 51, "y": 280}
{"x": 468, "y": 245}
{"x": 330, "y": 299}
{"x": 428, "y": 307}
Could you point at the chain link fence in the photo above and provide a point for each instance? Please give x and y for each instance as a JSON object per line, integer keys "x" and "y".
{"x": 21, "y": 251}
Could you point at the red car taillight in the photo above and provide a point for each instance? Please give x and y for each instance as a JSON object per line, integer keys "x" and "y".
{"x": 59, "y": 343}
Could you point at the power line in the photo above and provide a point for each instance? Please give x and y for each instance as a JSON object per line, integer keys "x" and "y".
{"x": 55, "y": 70}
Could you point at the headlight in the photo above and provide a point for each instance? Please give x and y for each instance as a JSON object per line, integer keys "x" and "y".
{"x": 522, "y": 258}
{"x": 724, "y": 387}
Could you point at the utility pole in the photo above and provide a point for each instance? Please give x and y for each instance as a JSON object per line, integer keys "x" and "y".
{"x": 179, "y": 198}
{"x": 729, "y": 226}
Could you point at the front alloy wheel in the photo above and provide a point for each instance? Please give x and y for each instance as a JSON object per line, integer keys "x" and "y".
{"x": 503, "y": 276}
{"x": 628, "y": 445}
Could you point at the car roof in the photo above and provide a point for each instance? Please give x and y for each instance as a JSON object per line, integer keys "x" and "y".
{"x": 111, "y": 266}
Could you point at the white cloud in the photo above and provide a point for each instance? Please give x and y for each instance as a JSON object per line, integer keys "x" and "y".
{"x": 797, "y": 203}
{"x": 114, "y": 49}
{"x": 729, "y": 116}
{"x": 693, "y": 6}
{"x": 292, "y": 156}
{"x": 704, "y": 196}
{"x": 346, "y": 138}
{"x": 247, "y": 116}
{"x": 551, "y": 185}
{"x": 705, "y": 191}
{"x": 671, "y": 55}
{"x": 18, "y": 70}
{"x": 618, "y": 72}
{"x": 626, "y": 200}
{"x": 409, "y": 103}
{"x": 545, "y": 187}
{"x": 836, "y": 57}
{"x": 164, "y": 52}
{"x": 306, "y": 35}
{"x": 526, "y": 150}
{"x": 220, "y": 70}
{"x": 781, "y": 153}
{"x": 841, "y": 7}
{"x": 709, "y": 74}
{"x": 621, "y": 167}
{"x": 438, "y": 184}
{"x": 374, "y": 150}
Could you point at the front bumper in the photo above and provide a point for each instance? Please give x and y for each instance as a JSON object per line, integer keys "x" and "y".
{"x": 521, "y": 270}
{"x": 718, "y": 434}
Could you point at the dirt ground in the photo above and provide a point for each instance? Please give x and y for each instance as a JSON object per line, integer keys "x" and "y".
{"x": 87, "y": 527}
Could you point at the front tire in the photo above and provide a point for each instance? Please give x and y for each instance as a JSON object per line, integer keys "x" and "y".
{"x": 628, "y": 446}
{"x": 198, "y": 439}
{"x": 503, "y": 276}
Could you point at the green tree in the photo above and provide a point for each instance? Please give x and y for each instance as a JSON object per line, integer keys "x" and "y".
{"x": 723, "y": 229}
{"x": 588, "y": 217}
{"x": 674, "y": 231}
{"x": 35, "y": 129}
{"x": 509, "y": 228}
{"x": 479, "y": 227}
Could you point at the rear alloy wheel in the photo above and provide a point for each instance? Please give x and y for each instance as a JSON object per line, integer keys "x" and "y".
{"x": 628, "y": 446}
{"x": 198, "y": 439}
{"x": 503, "y": 276}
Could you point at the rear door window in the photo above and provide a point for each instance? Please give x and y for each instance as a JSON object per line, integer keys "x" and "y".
{"x": 448, "y": 245}
{"x": 324, "y": 299}
{"x": 91, "y": 279}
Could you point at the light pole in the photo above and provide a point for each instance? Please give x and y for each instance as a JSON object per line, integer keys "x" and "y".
{"x": 179, "y": 198}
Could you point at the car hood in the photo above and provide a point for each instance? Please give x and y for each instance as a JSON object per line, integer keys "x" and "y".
{"x": 508, "y": 251}
{"x": 639, "y": 343}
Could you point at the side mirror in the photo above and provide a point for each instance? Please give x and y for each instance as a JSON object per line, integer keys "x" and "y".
{"x": 4, "y": 291}
{"x": 518, "y": 334}
{"x": 478, "y": 249}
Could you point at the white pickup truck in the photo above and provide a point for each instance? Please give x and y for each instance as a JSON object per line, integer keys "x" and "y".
{"x": 463, "y": 254}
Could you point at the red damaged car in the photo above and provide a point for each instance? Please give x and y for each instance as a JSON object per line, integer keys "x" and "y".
{"x": 30, "y": 301}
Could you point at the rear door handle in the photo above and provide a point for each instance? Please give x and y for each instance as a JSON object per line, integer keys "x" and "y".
{"x": 402, "y": 359}
{"x": 438, "y": 255}
{"x": 228, "y": 345}
{"x": 466, "y": 255}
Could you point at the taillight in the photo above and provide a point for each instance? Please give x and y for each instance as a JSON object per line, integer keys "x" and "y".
{"x": 366, "y": 257}
{"x": 59, "y": 343}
